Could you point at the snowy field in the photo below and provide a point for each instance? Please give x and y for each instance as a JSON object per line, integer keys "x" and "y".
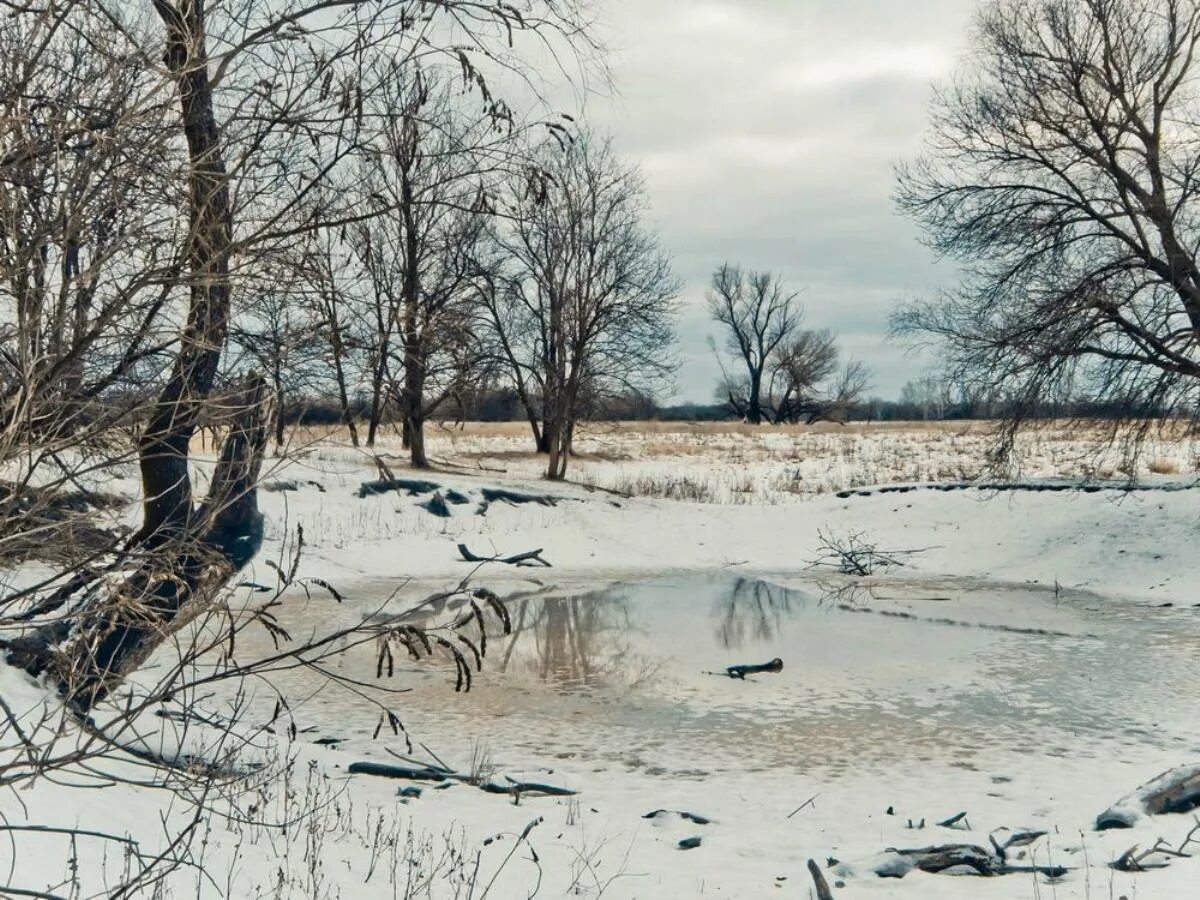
{"x": 1030, "y": 664}
{"x": 733, "y": 463}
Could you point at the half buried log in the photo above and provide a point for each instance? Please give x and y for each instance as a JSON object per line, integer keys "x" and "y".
{"x": 947, "y": 857}
{"x": 1174, "y": 791}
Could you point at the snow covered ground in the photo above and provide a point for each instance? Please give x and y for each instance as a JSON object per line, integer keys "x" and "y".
{"x": 1023, "y": 667}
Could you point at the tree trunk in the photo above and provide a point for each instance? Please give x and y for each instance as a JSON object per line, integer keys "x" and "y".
{"x": 372, "y": 423}
{"x": 560, "y": 429}
{"x": 541, "y": 443}
{"x": 378, "y": 378}
{"x": 754, "y": 407}
{"x": 416, "y": 448}
{"x": 163, "y": 450}
{"x": 414, "y": 349}
{"x": 339, "y": 372}
{"x": 184, "y": 555}
{"x": 278, "y": 416}
{"x": 414, "y": 401}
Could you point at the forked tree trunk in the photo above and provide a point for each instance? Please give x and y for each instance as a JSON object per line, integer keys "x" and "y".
{"x": 100, "y": 637}
{"x": 184, "y": 554}
{"x": 163, "y": 450}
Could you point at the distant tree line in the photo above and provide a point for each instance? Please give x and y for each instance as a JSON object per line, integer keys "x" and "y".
{"x": 926, "y": 399}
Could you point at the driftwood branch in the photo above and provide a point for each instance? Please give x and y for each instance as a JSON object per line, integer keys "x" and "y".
{"x": 528, "y": 558}
{"x": 941, "y": 858}
{"x": 1133, "y": 861}
{"x": 740, "y": 672}
{"x": 958, "y": 820}
{"x": 433, "y": 772}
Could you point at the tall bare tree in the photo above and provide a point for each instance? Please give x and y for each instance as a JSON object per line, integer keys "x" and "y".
{"x": 434, "y": 161}
{"x": 87, "y": 252}
{"x": 1061, "y": 175}
{"x": 276, "y": 332}
{"x": 585, "y": 300}
{"x": 760, "y": 316}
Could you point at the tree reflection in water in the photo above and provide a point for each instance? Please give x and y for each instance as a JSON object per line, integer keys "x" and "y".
{"x": 753, "y": 611}
{"x": 575, "y": 641}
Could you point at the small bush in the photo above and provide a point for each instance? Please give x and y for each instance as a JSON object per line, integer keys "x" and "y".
{"x": 1164, "y": 466}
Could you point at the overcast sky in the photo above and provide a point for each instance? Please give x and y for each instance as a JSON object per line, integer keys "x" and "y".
{"x": 767, "y": 131}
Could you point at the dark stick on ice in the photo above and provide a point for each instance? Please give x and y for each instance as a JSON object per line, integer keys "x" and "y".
{"x": 741, "y": 671}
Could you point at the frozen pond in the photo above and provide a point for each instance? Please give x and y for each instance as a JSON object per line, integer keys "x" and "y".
{"x": 876, "y": 674}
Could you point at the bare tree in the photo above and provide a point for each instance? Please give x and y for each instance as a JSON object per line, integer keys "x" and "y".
{"x": 433, "y": 161}
{"x": 803, "y": 382}
{"x": 1061, "y": 175}
{"x": 222, "y": 133}
{"x": 803, "y": 364}
{"x": 585, "y": 298}
{"x": 760, "y": 316}
{"x": 86, "y": 250}
{"x": 278, "y": 334}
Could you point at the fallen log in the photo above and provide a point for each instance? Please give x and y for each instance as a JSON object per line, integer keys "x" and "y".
{"x": 1174, "y": 791}
{"x": 438, "y": 773}
{"x": 411, "y": 773}
{"x": 528, "y": 558}
{"x": 517, "y": 788}
{"x": 938, "y": 859}
{"x": 897, "y": 863}
{"x": 741, "y": 671}
{"x": 515, "y": 498}
{"x": 413, "y": 486}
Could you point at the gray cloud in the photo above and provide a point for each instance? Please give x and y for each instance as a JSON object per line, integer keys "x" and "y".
{"x": 767, "y": 131}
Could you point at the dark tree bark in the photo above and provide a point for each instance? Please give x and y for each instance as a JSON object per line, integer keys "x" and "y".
{"x": 184, "y": 554}
{"x": 163, "y": 449}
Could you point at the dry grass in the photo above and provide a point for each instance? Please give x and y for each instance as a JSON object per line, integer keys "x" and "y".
{"x": 1162, "y": 466}
{"x": 734, "y": 463}
{"x": 677, "y": 487}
